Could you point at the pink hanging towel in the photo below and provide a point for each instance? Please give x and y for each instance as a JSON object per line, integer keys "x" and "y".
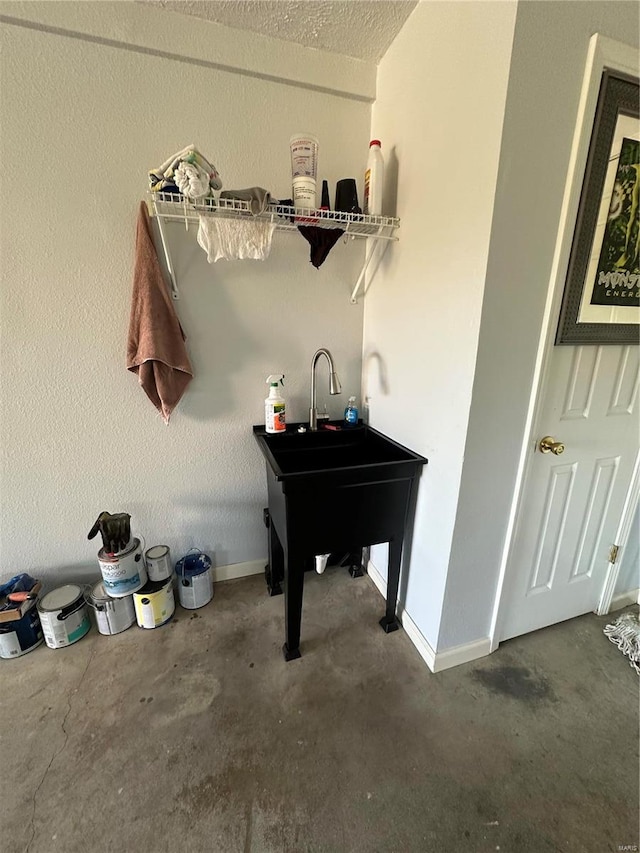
{"x": 155, "y": 347}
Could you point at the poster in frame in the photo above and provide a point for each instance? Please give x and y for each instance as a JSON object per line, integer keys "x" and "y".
{"x": 601, "y": 300}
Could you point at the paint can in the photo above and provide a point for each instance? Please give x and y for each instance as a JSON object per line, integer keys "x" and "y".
{"x": 158, "y": 560}
{"x": 64, "y": 616}
{"x": 123, "y": 573}
{"x": 195, "y": 584}
{"x": 21, "y": 635}
{"x": 154, "y": 603}
{"x": 113, "y": 615}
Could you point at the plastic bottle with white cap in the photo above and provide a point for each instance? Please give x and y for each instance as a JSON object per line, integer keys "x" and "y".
{"x": 374, "y": 180}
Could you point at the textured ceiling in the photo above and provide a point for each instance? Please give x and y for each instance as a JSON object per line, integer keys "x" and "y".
{"x": 363, "y": 29}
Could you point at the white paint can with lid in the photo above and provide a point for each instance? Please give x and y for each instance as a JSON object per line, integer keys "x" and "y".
{"x": 64, "y": 616}
{"x": 195, "y": 584}
{"x": 158, "y": 560}
{"x": 123, "y": 573}
{"x": 113, "y": 615}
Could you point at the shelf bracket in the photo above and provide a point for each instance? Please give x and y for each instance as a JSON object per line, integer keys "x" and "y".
{"x": 370, "y": 251}
{"x": 167, "y": 256}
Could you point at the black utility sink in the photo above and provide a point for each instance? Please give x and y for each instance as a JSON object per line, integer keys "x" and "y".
{"x": 332, "y": 491}
{"x": 326, "y": 451}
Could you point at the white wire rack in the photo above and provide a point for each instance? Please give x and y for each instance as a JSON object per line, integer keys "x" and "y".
{"x": 167, "y": 207}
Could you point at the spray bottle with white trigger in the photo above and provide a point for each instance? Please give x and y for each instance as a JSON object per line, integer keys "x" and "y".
{"x": 274, "y": 407}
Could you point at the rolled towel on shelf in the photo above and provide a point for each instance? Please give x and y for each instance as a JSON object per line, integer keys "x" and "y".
{"x": 163, "y": 178}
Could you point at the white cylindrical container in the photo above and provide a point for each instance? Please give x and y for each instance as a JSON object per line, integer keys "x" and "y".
{"x": 154, "y": 604}
{"x": 304, "y": 193}
{"x": 304, "y": 170}
{"x": 195, "y": 584}
{"x": 113, "y": 615}
{"x": 124, "y": 573}
{"x": 64, "y": 616}
{"x": 304, "y": 156}
{"x": 158, "y": 560}
{"x": 374, "y": 180}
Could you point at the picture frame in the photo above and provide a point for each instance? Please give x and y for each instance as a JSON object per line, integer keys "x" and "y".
{"x": 601, "y": 299}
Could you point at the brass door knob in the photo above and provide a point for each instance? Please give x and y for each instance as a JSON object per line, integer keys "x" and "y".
{"x": 548, "y": 444}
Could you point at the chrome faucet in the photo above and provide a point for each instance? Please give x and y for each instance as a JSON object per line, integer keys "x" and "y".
{"x": 334, "y": 385}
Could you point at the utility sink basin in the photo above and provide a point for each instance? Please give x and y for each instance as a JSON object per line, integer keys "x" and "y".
{"x": 334, "y": 491}
{"x": 326, "y": 452}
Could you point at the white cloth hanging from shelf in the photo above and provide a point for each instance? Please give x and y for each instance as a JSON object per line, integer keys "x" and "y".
{"x": 225, "y": 239}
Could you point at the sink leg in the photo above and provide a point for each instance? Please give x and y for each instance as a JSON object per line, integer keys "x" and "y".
{"x": 389, "y": 621}
{"x": 293, "y": 589}
{"x": 273, "y": 571}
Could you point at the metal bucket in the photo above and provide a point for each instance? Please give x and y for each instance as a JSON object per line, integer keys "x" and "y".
{"x": 154, "y": 604}
{"x": 64, "y": 616}
{"x": 195, "y": 584}
{"x": 21, "y": 635}
{"x": 158, "y": 560}
{"x": 113, "y": 615}
{"x": 123, "y": 574}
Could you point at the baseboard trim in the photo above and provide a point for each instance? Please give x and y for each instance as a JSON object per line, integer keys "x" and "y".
{"x": 624, "y": 600}
{"x": 239, "y": 570}
{"x": 436, "y": 661}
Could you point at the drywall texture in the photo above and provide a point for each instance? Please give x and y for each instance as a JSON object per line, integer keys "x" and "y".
{"x": 549, "y": 55}
{"x": 360, "y": 28}
{"x": 440, "y": 123}
{"x": 82, "y": 122}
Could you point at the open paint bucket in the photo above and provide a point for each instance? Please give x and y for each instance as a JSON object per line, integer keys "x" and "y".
{"x": 195, "y": 584}
{"x": 22, "y": 635}
{"x": 158, "y": 560}
{"x": 123, "y": 573}
{"x": 64, "y": 616}
{"x": 154, "y": 604}
{"x": 113, "y": 615}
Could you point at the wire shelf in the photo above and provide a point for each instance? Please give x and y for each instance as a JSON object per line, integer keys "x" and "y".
{"x": 168, "y": 206}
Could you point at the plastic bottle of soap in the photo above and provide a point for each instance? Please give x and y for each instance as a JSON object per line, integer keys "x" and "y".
{"x": 351, "y": 413}
{"x": 374, "y": 180}
{"x": 274, "y": 406}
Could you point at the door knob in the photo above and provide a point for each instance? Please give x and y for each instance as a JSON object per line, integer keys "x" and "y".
{"x": 548, "y": 444}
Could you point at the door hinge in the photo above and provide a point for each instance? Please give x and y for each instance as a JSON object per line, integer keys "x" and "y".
{"x": 613, "y": 553}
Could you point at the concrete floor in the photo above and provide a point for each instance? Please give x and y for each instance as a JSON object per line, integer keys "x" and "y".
{"x": 197, "y": 737}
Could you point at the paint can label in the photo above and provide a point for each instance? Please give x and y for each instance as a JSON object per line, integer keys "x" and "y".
{"x": 195, "y": 590}
{"x": 63, "y": 632}
{"x": 26, "y": 634}
{"x": 124, "y": 574}
{"x": 115, "y": 616}
{"x": 154, "y": 608}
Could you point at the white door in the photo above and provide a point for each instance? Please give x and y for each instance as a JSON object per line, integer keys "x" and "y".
{"x": 573, "y": 502}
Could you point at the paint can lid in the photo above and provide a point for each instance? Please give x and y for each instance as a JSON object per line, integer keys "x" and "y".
{"x": 157, "y": 552}
{"x": 193, "y": 564}
{"x": 153, "y": 586}
{"x": 108, "y": 557}
{"x": 61, "y": 597}
{"x": 98, "y": 593}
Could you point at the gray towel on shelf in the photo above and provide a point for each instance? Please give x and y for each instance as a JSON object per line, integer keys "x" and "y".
{"x": 257, "y": 197}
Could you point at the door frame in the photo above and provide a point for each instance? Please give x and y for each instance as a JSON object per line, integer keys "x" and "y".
{"x": 603, "y": 53}
{"x": 622, "y": 537}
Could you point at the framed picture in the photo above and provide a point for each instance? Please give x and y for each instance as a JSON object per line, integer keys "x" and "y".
{"x": 601, "y": 301}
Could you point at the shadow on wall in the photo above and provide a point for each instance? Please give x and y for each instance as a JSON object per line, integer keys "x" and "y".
{"x": 373, "y": 361}
{"x": 218, "y": 344}
{"x": 390, "y": 196}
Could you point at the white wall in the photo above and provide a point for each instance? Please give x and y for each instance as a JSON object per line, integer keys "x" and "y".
{"x": 88, "y": 106}
{"x": 439, "y": 112}
{"x": 548, "y": 61}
